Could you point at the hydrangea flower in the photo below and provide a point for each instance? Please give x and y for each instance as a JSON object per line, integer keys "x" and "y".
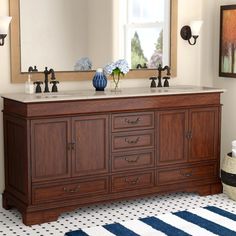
{"x": 83, "y": 63}
{"x": 119, "y": 67}
{"x": 116, "y": 69}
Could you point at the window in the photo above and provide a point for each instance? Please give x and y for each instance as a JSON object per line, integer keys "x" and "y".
{"x": 145, "y": 26}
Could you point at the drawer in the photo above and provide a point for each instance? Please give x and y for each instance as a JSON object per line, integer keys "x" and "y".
{"x": 132, "y": 160}
{"x": 143, "y": 120}
{"x": 133, "y": 140}
{"x": 131, "y": 182}
{"x": 186, "y": 174}
{"x": 63, "y": 191}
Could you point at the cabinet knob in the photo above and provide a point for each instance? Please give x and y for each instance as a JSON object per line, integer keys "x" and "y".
{"x": 73, "y": 146}
{"x": 189, "y": 135}
{"x": 70, "y": 146}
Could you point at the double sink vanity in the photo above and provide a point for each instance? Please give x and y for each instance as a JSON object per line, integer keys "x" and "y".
{"x": 70, "y": 149}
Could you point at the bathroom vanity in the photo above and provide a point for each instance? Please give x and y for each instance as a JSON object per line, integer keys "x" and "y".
{"x": 72, "y": 149}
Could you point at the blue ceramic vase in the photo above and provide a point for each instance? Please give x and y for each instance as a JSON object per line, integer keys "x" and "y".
{"x": 99, "y": 80}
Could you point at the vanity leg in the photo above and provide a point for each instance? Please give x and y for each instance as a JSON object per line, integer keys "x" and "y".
{"x": 5, "y": 202}
{"x": 39, "y": 217}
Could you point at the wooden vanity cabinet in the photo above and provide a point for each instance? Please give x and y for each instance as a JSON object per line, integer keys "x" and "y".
{"x": 62, "y": 155}
{"x": 187, "y": 135}
{"x": 50, "y": 149}
{"x": 90, "y": 145}
{"x": 60, "y": 148}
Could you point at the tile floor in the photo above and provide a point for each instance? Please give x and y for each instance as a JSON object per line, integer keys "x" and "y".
{"x": 11, "y": 225}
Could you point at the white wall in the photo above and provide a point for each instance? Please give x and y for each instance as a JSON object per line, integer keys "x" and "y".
{"x": 67, "y": 48}
{"x": 229, "y": 112}
{"x": 190, "y": 67}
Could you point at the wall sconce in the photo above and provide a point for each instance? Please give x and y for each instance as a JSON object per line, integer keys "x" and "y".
{"x": 191, "y": 31}
{"x": 4, "y": 25}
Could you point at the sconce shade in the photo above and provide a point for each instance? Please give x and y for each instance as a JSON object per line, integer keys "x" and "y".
{"x": 4, "y": 25}
{"x": 196, "y": 27}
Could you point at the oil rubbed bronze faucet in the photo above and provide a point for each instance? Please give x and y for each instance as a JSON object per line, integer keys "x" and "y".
{"x": 46, "y": 74}
{"x": 160, "y": 69}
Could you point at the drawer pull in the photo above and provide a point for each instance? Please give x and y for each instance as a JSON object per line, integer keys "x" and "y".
{"x": 189, "y": 174}
{"x": 132, "y": 160}
{"x": 75, "y": 190}
{"x": 132, "y": 141}
{"x": 132, "y": 181}
{"x": 132, "y": 122}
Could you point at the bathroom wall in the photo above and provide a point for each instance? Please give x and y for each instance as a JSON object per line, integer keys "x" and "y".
{"x": 78, "y": 33}
{"x": 229, "y": 97}
{"x": 191, "y": 60}
{"x": 73, "y": 44}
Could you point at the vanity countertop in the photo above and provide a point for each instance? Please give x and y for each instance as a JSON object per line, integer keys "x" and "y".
{"x": 92, "y": 94}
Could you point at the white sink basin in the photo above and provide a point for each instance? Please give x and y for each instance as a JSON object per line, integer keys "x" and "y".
{"x": 51, "y": 95}
{"x": 180, "y": 88}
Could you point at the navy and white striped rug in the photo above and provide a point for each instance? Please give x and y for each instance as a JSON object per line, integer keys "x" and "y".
{"x": 205, "y": 221}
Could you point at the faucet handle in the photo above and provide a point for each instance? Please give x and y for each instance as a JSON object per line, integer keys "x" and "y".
{"x": 166, "y": 82}
{"x": 38, "y": 87}
{"x": 54, "y": 86}
{"x": 153, "y": 83}
{"x": 32, "y": 69}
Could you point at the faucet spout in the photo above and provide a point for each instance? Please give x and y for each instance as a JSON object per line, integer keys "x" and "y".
{"x": 160, "y": 69}
{"x": 46, "y": 74}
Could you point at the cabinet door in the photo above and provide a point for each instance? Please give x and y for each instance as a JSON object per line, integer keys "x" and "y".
{"x": 171, "y": 136}
{"x": 90, "y": 144}
{"x": 204, "y": 130}
{"x": 49, "y": 149}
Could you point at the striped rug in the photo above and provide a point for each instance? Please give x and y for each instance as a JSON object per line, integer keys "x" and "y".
{"x": 205, "y": 221}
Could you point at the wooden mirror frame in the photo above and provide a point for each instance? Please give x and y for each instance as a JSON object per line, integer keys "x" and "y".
{"x": 20, "y": 77}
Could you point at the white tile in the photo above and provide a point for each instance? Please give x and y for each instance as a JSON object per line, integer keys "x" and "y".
{"x": 96, "y": 215}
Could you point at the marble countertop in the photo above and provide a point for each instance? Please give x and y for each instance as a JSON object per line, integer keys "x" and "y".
{"x": 92, "y": 94}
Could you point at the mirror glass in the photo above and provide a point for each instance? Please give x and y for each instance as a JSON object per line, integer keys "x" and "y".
{"x": 75, "y": 37}
{"x": 83, "y": 35}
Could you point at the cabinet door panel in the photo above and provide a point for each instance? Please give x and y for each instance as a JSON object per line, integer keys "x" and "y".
{"x": 90, "y": 137}
{"x": 204, "y": 133}
{"x": 49, "y": 147}
{"x": 172, "y": 141}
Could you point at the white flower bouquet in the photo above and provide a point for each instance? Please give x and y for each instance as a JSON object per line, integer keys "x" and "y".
{"x": 116, "y": 69}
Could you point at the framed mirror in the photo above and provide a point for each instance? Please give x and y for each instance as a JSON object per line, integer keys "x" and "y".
{"x": 128, "y": 29}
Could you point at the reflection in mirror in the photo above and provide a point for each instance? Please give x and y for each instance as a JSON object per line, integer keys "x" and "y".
{"x": 76, "y": 36}
{"x": 81, "y": 34}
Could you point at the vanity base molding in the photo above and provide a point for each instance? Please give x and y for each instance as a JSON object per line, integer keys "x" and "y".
{"x": 60, "y": 156}
{"x": 51, "y": 212}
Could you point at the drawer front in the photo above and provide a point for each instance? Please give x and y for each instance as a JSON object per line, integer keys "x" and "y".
{"x": 186, "y": 174}
{"x": 132, "y": 160}
{"x": 144, "y": 120}
{"x": 63, "y": 191}
{"x": 131, "y": 182}
{"x": 132, "y": 140}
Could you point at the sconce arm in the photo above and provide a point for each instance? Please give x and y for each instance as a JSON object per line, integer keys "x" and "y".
{"x": 2, "y": 37}
{"x": 194, "y": 40}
